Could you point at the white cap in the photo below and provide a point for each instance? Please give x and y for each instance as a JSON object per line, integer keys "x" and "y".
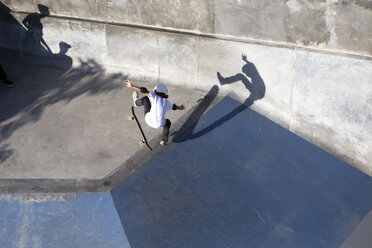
{"x": 161, "y": 88}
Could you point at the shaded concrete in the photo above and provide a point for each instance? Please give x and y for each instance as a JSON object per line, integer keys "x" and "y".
{"x": 246, "y": 182}
{"x": 60, "y": 220}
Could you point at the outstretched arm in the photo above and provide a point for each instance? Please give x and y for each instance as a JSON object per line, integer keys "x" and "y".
{"x": 143, "y": 90}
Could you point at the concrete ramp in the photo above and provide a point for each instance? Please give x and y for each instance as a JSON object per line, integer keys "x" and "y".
{"x": 239, "y": 180}
{"x": 231, "y": 178}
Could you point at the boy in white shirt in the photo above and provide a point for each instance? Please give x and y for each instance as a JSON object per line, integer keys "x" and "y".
{"x": 155, "y": 106}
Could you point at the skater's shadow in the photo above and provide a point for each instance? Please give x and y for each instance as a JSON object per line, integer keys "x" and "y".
{"x": 186, "y": 131}
{"x": 253, "y": 83}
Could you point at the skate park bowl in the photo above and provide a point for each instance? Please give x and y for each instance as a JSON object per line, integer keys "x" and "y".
{"x": 273, "y": 149}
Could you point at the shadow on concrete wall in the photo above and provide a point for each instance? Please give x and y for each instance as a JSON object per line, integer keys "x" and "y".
{"x": 41, "y": 77}
{"x": 34, "y": 34}
{"x": 253, "y": 83}
{"x": 255, "y": 86}
{"x": 25, "y": 43}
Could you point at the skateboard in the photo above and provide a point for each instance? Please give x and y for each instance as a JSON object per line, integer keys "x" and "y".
{"x": 144, "y": 140}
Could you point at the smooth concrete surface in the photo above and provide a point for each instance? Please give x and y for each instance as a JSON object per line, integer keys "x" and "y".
{"x": 74, "y": 124}
{"x": 236, "y": 179}
{"x": 60, "y": 220}
{"x": 343, "y": 26}
{"x": 325, "y": 98}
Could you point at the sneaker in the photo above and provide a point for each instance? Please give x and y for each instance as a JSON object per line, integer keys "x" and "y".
{"x": 7, "y": 82}
{"x": 163, "y": 143}
{"x": 135, "y": 97}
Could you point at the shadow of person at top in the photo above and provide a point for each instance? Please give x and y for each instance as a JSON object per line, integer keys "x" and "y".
{"x": 254, "y": 84}
{"x": 23, "y": 44}
{"x": 35, "y": 50}
{"x": 34, "y": 34}
{"x": 61, "y": 60}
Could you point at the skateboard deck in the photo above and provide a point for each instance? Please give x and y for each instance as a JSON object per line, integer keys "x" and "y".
{"x": 144, "y": 140}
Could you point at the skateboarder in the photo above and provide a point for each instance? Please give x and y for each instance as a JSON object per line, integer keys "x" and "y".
{"x": 4, "y": 78}
{"x": 155, "y": 106}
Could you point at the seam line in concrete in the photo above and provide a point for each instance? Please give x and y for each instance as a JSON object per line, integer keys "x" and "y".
{"x": 197, "y": 46}
{"x": 212, "y": 36}
{"x": 292, "y": 91}
{"x": 158, "y": 55}
{"x": 106, "y": 50}
{"x": 212, "y": 4}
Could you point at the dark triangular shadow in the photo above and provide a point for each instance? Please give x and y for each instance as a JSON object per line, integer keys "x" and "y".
{"x": 186, "y": 131}
{"x": 223, "y": 119}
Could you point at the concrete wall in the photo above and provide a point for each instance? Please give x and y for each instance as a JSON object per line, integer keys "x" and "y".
{"x": 338, "y": 25}
{"x": 325, "y": 98}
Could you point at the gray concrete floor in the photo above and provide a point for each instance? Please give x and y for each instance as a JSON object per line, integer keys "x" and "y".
{"x": 71, "y": 125}
{"x": 361, "y": 236}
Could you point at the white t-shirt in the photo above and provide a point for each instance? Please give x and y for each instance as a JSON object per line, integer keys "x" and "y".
{"x": 159, "y": 106}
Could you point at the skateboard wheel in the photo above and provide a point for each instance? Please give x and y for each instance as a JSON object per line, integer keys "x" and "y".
{"x": 131, "y": 118}
{"x": 142, "y": 142}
